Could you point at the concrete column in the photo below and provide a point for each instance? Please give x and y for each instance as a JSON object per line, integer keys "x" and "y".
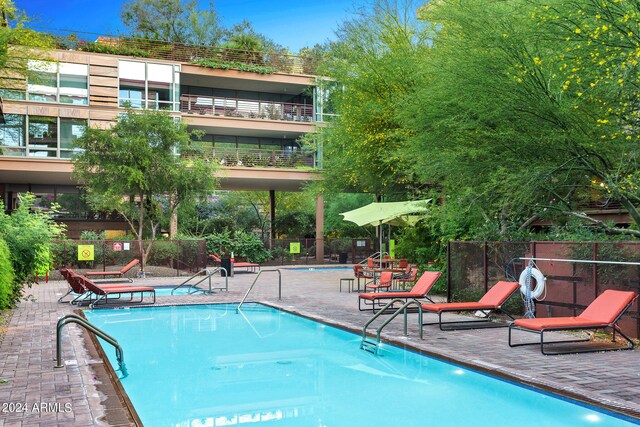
{"x": 272, "y": 217}
{"x": 319, "y": 229}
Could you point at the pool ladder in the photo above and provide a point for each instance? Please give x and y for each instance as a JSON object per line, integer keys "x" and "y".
{"x": 371, "y": 345}
{"x": 254, "y": 282}
{"x": 81, "y": 321}
{"x": 208, "y": 275}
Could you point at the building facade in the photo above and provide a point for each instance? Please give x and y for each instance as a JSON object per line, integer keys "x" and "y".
{"x": 251, "y": 121}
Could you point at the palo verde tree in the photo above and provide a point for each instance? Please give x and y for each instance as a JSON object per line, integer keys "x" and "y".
{"x": 526, "y": 110}
{"x": 145, "y": 158}
{"x": 373, "y": 64}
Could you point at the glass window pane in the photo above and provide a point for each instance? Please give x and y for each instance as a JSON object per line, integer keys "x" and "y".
{"x": 12, "y": 131}
{"x": 71, "y": 129}
{"x": 42, "y": 153}
{"x": 132, "y": 70}
{"x": 160, "y": 73}
{"x": 43, "y": 87}
{"x": 132, "y": 93}
{"x": 73, "y": 89}
{"x": 43, "y": 132}
{"x": 159, "y": 96}
{"x": 73, "y": 69}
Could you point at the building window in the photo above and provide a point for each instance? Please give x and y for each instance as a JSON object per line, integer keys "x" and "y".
{"x": 148, "y": 85}
{"x": 43, "y": 136}
{"x": 12, "y": 136}
{"x": 46, "y": 136}
{"x": 64, "y": 82}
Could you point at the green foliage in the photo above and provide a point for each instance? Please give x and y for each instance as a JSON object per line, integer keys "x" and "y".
{"x": 28, "y": 234}
{"x": 237, "y": 65}
{"x": 118, "y": 49}
{"x": 132, "y": 169}
{"x": 375, "y": 61}
{"x": 172, "y": 20}
{"x": 242, "y": 244}
{"x": 7, "y": 276}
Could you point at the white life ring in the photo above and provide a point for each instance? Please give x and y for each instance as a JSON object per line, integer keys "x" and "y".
{"x": 540, "y": 282}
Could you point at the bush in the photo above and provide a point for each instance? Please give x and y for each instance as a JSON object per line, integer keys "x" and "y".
{"x": 28, "y": 234}
{"x": 7, "y": 276}
{"x": 243, "y": 245}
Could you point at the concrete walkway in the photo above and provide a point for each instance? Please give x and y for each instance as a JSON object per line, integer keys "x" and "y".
{"x": 35, "y": 393}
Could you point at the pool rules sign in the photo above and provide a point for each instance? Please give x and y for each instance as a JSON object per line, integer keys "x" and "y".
{"x": 85, "y": 252}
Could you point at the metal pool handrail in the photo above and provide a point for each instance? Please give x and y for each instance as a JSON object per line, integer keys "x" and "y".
{"x": 208, "y": 276}
{"x": 74, "y": 318}
{"x": 254, "y": 282}
{"x": 372, "y": 346}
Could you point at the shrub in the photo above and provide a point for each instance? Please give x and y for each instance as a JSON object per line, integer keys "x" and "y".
{"x": 28, "y": 235}
{"x": 243, "y": 245}
{"x": 6, "y": 276}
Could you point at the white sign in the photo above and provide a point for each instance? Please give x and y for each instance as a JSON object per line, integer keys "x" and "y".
{"x": 126, "y": 246}
{"x": 361, "y": 243}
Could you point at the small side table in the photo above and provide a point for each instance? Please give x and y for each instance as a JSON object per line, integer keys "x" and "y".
{"x": 349, "y": 281}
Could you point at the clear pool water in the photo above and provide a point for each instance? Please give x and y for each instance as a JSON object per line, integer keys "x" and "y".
{"x": 208, "y": 366}
{"x": 320, "y": 269}
{"x": 163, "y": 291}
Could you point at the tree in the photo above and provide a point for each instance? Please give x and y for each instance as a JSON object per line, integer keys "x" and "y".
{"x": 172, "y": 20}
{"x": 145, "y": 158}
{"x": 28, "y": 234}
{"x": 527, "y": 110}
{"x": 18, "y": 45}
{"x": 374, "y": 63}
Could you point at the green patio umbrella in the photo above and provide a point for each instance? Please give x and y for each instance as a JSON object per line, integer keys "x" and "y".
{"x": 392, "y": 213}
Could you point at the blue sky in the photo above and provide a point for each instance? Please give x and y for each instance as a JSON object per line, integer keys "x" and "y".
{"x": 294, "y": 24}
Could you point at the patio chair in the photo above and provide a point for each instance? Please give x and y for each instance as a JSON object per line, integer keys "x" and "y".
{"x": 492, "y": 301}
{"x": 604, "y": 312}
{"x": 79, "y": 292}
{"x": 409, "y": 276}
{"x": 359, "y": 273}
{"x": 250, "y": 266}
{"x": 419, "y": 290}
{"x": 384, "y": 282}
{"x": 103, "y": 292}
{"x": 119, "y": 273}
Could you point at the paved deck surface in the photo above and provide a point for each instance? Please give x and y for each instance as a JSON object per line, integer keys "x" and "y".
{"x": 34, "y": 393}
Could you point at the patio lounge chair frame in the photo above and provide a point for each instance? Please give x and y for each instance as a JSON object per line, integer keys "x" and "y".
{"x": 119, "y": 273}
{"x": 103, "y": 292}
{"x": 376, "y": 298}
{"x": 587, "y": 325}
{"x": 507, "y": 288}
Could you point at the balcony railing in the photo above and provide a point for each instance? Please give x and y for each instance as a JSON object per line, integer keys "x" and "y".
{"x": 254, "y": 157}
{"x": 146, "y": 48}
{"x": 234, "y": 107}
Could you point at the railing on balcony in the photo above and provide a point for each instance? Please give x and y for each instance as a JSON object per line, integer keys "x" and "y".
{"x": 147, "y": 48}
{"x": 250, "y": 109}
{"x": 255, "y": 157}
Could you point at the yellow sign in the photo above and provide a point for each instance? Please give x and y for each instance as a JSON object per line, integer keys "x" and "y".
{"x": 85, "y": 252}
{"x": 294, "y": 248}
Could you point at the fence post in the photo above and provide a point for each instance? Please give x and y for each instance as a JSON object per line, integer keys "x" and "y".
{"x": 448, "y": 270}
{"x": 485, "y": 267}
{"x": 595, "y": 270}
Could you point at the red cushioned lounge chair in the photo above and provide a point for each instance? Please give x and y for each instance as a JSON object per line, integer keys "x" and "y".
{"x": 250, "y": 266}
{"x": 419, "y": 290}
{"x": 492, "y": 301}
{"x": 604, "y": 312}
{"x": 119, "y": 273}
{"x": 103, "y": 292}
{"x": 384, "y": 282}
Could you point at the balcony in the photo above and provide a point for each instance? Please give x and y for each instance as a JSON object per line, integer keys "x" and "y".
{"x": 261, "y": 62}
{"x": 249, "y": 109}
{"x": 256, "y": 157}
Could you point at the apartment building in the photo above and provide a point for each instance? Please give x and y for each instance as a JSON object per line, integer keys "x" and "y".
{"x": 251, "y": 119}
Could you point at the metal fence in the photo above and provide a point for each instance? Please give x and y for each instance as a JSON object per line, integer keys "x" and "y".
{"x": 166, "y": 256}
{"x": 473, "y": 267}
{"x": 335, "y": 251}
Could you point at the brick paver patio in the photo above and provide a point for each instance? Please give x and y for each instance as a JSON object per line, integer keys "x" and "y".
{"x": 35, "y": 393}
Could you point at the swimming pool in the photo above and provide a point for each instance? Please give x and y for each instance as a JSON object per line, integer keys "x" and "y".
{"x": 320, "y": 269}
{"x": 163, "y": 291}
{"x": 205, "y": 365}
